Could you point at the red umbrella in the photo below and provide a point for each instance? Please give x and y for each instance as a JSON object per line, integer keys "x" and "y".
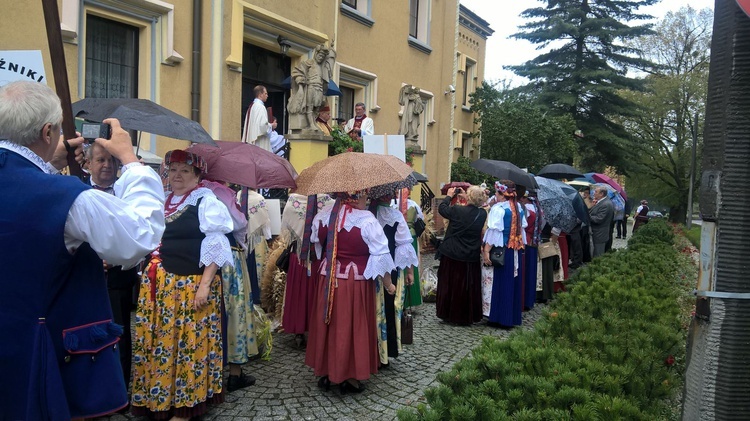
{"x": 247, "y": 165}
{"x": 464, "y": 185}
{"x": 602, "y": 178}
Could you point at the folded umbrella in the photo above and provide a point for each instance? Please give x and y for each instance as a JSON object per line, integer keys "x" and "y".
{"x": 142, "y": 115}
{"x": 351, "y": 172}
{"x": 559, "y": 171}
{"x": 504, "y": 170}
{"x": 247, "y": 165}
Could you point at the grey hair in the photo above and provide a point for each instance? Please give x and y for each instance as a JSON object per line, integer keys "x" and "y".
{"x": 360, "y": 104}
{"x": 25, "y": 107}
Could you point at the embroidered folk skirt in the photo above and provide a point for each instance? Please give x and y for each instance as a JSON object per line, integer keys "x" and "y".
{"x": 177, "y": 351}
{"x": 240, "y": 320}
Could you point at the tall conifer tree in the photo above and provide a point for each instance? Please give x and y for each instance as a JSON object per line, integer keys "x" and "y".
{"x": 586, "y": 67}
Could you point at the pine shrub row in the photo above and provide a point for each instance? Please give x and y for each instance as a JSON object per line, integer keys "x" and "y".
{"x": 605, "y": 350}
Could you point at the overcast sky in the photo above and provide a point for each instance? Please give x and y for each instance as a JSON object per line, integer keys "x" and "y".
{"x": 503, "y": 16}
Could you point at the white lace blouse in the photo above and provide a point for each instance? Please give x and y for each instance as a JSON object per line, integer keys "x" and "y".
{"x": 380, "y": 262}
{"x": 215, "y": 222}
{"x": 405, "y": 254}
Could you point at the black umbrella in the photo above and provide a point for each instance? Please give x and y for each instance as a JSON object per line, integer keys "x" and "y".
{"x": 504, "y": 170}
{"x": 421, "y": 178}
{"x": 142, "y": 115}
{"x": 559, "y": 171}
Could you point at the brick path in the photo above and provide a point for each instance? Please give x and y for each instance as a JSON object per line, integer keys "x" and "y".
{"x": 287, "y": 389}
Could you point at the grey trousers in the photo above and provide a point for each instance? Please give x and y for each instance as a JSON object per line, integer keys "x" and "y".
{"x": 599, "y": 249}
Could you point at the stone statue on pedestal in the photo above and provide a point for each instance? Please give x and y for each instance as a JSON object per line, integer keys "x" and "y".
{"x": 309, "y": 85}
{"x": 413, "y": 106}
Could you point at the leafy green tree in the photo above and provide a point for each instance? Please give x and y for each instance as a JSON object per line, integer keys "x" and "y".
{"x": 586, "y": 68}
{"x": 461, "y": 170}
{"x": 515, "y": 128}
{"x": 672, "y": 109}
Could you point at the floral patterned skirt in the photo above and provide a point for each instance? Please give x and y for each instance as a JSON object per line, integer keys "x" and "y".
{"x": 241, "y": 341}
{"x": 177, "y": 351}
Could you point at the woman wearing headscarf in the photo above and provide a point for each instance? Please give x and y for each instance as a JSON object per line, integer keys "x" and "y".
{"x": 177, "y": 352}
{"x": 505, "y": 228}
{"x": 459, "y": 293}
{"x": 342, "y": 344}
{"x": 405, "y": 258}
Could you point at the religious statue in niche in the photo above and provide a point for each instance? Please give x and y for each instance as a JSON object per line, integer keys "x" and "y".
{"x": 309, "y": 86}
{"x": 410, "y": 99}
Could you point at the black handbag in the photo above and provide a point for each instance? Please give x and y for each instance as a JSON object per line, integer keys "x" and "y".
{"x": 282, "y": 262}
{"x": 497, "y": 256}
{"x": 407, "y": 323}
{"x": 419, "y": 227}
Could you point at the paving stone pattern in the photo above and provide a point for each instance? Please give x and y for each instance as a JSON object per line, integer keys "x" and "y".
{"x": 287, "y": 389}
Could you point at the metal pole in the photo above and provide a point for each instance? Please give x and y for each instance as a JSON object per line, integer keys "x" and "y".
{"x": 689, "y": 220}
{"x": 60, "y": 72}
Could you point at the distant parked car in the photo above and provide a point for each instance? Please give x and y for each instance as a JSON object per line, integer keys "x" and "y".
{"x": 654, "y": 214}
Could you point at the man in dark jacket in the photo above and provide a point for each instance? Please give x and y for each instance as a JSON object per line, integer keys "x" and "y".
{"x": 601, "y": 216}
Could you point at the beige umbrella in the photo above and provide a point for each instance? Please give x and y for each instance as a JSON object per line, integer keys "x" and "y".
{"x": 350, "y": 172}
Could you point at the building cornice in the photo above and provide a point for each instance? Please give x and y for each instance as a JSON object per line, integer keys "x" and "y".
{"x": 474, "y": 23}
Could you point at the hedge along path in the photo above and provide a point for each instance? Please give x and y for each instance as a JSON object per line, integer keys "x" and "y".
{"x": 611, "y": 348}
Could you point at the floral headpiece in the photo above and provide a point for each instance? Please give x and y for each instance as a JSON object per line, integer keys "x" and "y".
{"x": 178, "y": 155}
{"x": 504, "y": 190}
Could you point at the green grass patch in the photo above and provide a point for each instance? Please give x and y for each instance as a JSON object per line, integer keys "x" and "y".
{"x": 694, "y": 235}
{"x": 611, "y": 348}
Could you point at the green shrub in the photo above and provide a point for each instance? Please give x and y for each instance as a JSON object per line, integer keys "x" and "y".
{"x": 599, "y": 352}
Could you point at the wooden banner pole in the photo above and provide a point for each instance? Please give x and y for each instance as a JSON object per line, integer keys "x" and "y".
{"x": 60, "y": 73}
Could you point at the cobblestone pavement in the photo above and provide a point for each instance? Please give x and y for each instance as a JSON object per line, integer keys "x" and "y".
{"x": 287, "y": 389}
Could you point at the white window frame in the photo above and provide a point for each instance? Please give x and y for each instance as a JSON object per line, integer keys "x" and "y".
{"x": 362, "y": 14}
{"x": 363, "y": 82}
{"x": 158, "y": 13}
{"x": 470, "y": 73}
{"x": 424, "y": 18}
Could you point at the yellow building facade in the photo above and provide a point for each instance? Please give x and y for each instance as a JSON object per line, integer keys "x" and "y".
{"x": 202, "y": 58}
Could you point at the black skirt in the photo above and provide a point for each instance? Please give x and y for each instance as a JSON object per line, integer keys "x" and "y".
{"x": 459, "y": 291}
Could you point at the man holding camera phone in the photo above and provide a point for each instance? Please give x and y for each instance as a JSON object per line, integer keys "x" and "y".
{"x": 60, "y": 353}
{"x": 102, "y": 167}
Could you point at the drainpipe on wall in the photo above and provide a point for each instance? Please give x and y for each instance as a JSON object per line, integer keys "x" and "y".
{"x": 195, "y": 93}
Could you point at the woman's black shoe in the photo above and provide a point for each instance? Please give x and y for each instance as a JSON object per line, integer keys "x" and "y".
{"x": 238, "y": 382}
{"x": 324, "y": 383}
{"x": 347, "y": 387}
{"x": 300, "y": 341}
